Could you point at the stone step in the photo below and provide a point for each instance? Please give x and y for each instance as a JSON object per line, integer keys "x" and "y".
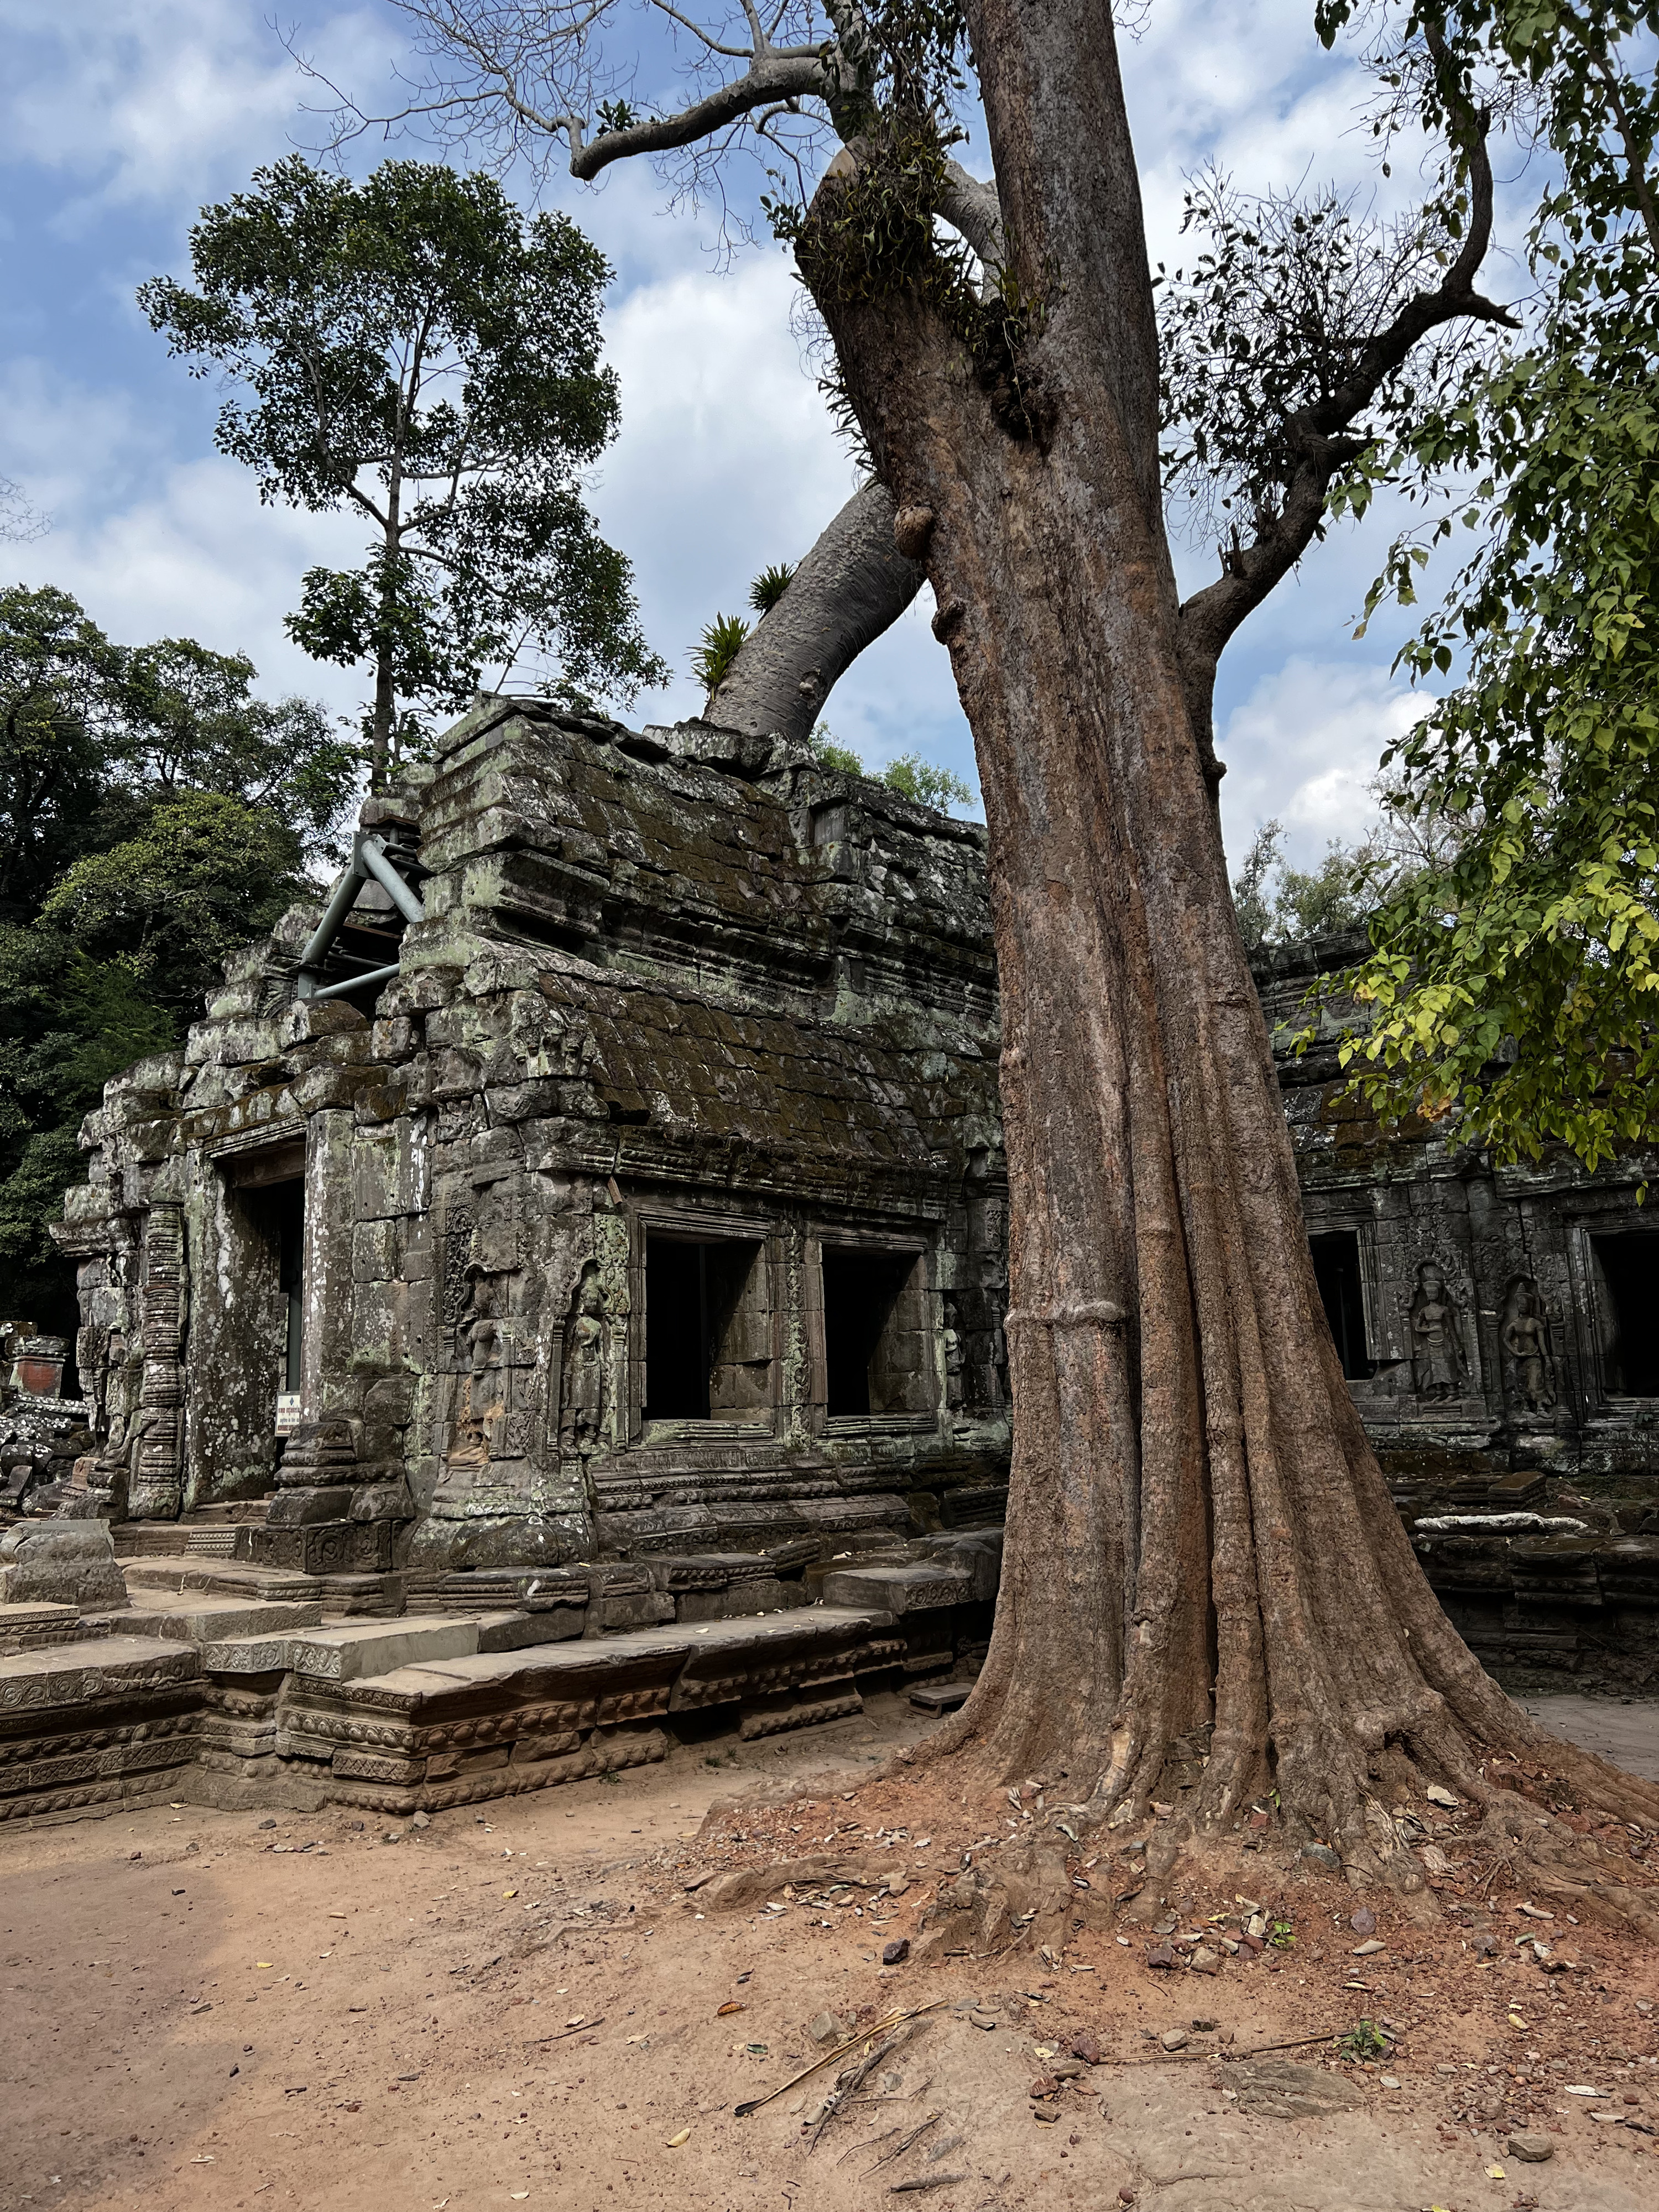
{"x": 228, "y": 1579}
{"x": 201, "y": 1618}
{"x": 97, "y": 1726}
{"x": 26, "y": 1628}
{"x": 470, "y": 1725}
{"x": 426, "y": 1710}
{"x": 347, "y": 1652}
{"x": 171, "y": 1540}
{"x": 376, "y": 1596}
{"x": 81, "y": 1674}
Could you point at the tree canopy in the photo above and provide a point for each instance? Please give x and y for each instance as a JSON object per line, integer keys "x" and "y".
{"x": 412, "y": 350}
{"x": 154, "y": 815}
{"x": 1514, "y": 986}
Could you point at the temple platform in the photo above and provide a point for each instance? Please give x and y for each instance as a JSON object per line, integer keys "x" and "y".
{"x": 227, "y": 1684}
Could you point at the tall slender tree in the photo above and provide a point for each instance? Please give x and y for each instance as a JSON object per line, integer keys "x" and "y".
{"x": 417, "y": 354}
{"x": 1199, "y": 1536}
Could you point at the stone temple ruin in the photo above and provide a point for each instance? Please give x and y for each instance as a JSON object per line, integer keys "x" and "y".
{"x": 555, "y": 1297}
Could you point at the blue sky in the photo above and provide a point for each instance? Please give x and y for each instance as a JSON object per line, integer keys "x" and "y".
{"x": 121, "y": 117}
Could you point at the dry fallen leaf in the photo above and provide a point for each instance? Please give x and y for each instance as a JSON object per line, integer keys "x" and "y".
{"x": 1496, "y": 2174}
{"x": 726, "y": 2009}
{"x": 674, "y": 2142}
{"x": 513, "y": 1893}
{"x": 265, "y": 1963}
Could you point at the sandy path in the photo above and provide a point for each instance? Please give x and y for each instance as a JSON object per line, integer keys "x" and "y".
{"x": 200, "y": 2015}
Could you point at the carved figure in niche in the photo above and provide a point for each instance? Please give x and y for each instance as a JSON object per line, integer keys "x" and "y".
{"x": 1436, "y": 1337}
{"x": 478, "y": 1335}
{"x": 581, "y": 1413}
{"x": 1523, "y": 1332}
{"x": 954, "y": 1358}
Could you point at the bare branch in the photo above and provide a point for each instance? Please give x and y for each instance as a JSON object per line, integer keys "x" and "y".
{"x": 776, "y": 78}
{"x": 1323, "y": 437}
{"x": 735, "y": 53}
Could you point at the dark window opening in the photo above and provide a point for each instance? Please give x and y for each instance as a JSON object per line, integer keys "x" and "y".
{"x": 708, "y": 1330}
{"x": 1336, "y": 1269}
{"x": 1630, "y": 1276}
{"x": 288, "y": 1201}
{"x": 875, "y": 1348}
{"x": 274, "y": 1210}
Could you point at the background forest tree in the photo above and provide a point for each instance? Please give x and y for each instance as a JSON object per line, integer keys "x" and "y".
{"x": 154, "y": 815}
{"x": 413, "y": 351}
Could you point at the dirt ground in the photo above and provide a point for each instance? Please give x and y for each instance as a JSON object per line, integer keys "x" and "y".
{"x": 205, "y": 2011}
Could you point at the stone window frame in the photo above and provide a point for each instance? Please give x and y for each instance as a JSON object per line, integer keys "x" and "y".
{"x": 1592, "y": 1321}
{"x": 891, "y": 1243}
{"x": 705, "y": 1225}
{"x": 1383, "y": 1345}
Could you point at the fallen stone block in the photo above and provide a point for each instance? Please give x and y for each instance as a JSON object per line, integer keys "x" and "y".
{"x": 61, "y": 1563}
{"x": 345, "y": 1655}
{"x": 920, "y": 1588}
{"x": 520, "y": 1631}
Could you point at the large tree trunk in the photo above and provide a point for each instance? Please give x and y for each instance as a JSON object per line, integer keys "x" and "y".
{"x": 854, "y": 585}
{"x": 1199, "y": 1536}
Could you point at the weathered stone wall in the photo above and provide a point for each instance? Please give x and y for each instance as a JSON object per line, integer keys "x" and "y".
{"x": 676, "y": 984}
{"x": 685, "y": 989}
{"x": 1520, "y": 1364}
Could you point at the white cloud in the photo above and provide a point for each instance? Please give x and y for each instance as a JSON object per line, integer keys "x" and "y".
{"x": 183, "y": 548}
{"x": 129, "y": 112}
{"x": 1303, "y": 746}
{"x": 165, "y": 99}
{"x": 726, "y": 462}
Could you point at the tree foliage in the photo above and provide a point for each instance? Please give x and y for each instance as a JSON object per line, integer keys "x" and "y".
{"x": 1517, "y": 988}
{"x": 1278, "y": 904}
{"x": 1268, "y": 330}
{"x": 201, "y": 876}
{"x": 412, "y": 350}
{"x": 154, "y": 814}
{"x": 717, "y": 648}
{"x": 909, "y": 773}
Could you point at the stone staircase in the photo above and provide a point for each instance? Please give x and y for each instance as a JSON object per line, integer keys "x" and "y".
{"x": 232, "y": 1684}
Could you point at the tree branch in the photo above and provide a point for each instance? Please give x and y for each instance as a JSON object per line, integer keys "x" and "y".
{"x": 1323, "y": 439}
{"x": 734, "y": 53}
{"x": 974, "y": 209}
{"x": 773, "y": 76}
{"x": 852, "y": 585}
{"x": 1634, "y": 164}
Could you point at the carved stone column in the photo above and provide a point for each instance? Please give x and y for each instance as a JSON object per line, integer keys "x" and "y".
{"x": 155, "y": 1457}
